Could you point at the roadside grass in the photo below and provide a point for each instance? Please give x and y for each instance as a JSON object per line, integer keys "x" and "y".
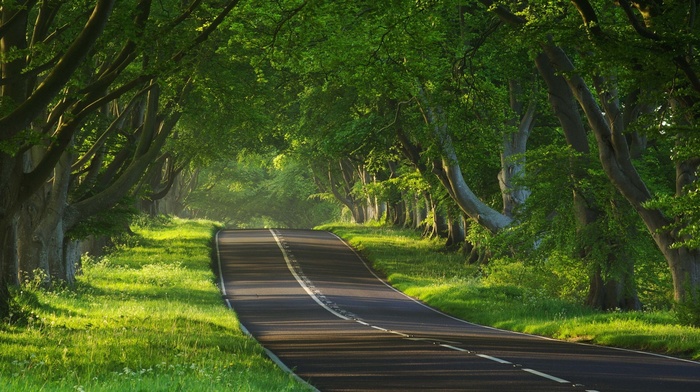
{"x": 147, "y": 317}
{"x": 424, "y": 270}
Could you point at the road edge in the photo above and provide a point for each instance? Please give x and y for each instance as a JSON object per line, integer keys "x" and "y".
{"x": 274, "y": 358}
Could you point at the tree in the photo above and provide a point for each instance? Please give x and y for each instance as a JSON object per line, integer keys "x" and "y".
{"x": 59, "y": 100}
{"x": 606, "y": 119}
{"x": 259, "y": 190}
{"x": 24, "y": 99}
{"x": 612, "y": 106}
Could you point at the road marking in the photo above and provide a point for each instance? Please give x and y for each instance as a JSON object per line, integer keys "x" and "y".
{"x": 547, "y": 376}
{"x": 499, "y": 360}
{"x": 454, "y": 348}
{"x": 302, "y": 281}
{"x": 310, "y": 289}
{"x": 274, "y": 358}
{"x": 434, "y": 340}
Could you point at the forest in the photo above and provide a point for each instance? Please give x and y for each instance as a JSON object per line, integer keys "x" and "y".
{"x": 561, "y": 136}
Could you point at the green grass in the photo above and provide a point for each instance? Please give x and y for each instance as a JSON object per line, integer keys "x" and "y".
{"x": 422, "y": 269}
{"x": 147, "y": 317}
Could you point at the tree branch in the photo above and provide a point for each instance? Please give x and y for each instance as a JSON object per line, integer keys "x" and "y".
{"x": 23, "y": 115}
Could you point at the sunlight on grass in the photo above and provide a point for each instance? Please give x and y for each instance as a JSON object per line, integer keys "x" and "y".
{"x": 422, "y": 269}
{"x": 147, "y": 317}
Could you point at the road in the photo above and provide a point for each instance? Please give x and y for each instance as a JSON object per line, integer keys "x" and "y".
{"x": 316, "y": 306}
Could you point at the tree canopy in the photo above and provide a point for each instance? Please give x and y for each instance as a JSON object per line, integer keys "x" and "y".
{"x": 562, "y": 135}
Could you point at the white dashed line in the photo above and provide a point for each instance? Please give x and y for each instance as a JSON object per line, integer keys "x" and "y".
{"x": 274, "y": 358}
{"x": 454, "y": 348}
{"x": 301, "y": 280}
{"x": 317, "y": 296}
{"x": 547, "y": 376}
{"x": 499, "y": 360}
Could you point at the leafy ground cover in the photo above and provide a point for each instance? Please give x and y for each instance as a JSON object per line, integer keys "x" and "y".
{"x": 147, "y": 317}
{"x": 422, "y": 269}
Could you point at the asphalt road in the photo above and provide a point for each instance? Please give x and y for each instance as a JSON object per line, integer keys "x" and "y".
{"x": 314, "y": 304}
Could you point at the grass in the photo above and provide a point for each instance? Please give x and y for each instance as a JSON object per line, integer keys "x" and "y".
{"x": 422, "y": 269}
{"x": 147, "y": 317}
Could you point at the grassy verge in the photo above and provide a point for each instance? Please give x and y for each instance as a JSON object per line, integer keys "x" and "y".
{"x": 420, "y": 268}
{"x": 148, "y": 317}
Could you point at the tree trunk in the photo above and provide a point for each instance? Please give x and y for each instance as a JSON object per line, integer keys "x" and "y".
{"x": 420, "y": 212}
{"x": 614, "y": 293}
{"x": 10, "y": 180}
{"x": 8, "y": 267}
{"x": 615, "y": 157}
{"x": 42, "y": 241}
{"x": 514, "y": 146}
{"x": 71, "y": 259}
{"x": 451, "y": 174}
{"x": 607, "y": 292}
{"x": 465, "y": 198}
{"x": 456, "y": 235}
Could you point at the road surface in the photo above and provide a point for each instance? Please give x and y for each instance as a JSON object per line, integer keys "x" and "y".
{"x": 316, "y": 306}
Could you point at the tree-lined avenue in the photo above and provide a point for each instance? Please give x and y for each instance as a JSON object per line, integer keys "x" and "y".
{"x": 312, "y": 301}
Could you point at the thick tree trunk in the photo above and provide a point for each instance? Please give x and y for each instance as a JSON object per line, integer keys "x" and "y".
{"x": 450, "y": 172}
{"x": 458, "y": 188}
{"x": 70, "y": 260}
{"x": 465, "y": 198}
{"x": 10, "y": 180}
{"x": 684, "y": 264}
{"x": 8, "y": 264}
{"x": 14, "y": 92}
{"x": 607, "y": 292}
{"x": 616, "y": 293}
{"x": 42, "y": 241}
{"x": 396, "y": 213}
{"x": 442, "y": 226}
{"x": 615, "y": 157}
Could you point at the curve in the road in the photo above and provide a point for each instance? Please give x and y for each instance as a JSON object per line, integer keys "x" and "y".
{"x": 314, "y": 303}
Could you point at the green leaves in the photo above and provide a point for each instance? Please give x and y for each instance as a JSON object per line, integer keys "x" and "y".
{"x": 260, "y": 190}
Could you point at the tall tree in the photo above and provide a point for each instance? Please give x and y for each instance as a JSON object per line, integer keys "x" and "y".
{"x": 49, "y": 104}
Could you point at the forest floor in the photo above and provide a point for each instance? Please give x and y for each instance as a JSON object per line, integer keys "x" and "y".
{"x": 503, "y": 297}
{"x": 146, "y": 317}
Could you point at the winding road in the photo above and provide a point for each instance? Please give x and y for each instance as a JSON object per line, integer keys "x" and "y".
{"x": 319, "y": 310}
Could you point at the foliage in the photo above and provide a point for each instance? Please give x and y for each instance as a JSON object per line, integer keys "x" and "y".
{"x": 688, "y": 312}
{"x": 687, "y": 207}
{"x": 295, "y": 101}
{"x": 260, "y": 191}
{"x": 107, "y": 223}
